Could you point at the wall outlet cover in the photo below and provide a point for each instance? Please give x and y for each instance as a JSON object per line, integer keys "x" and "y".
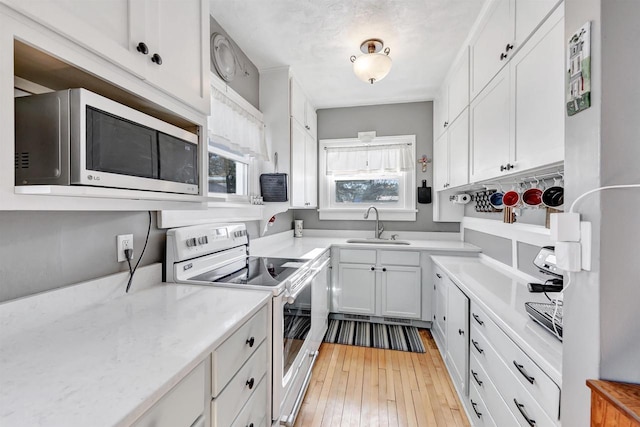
{"x": 123, "y": 241}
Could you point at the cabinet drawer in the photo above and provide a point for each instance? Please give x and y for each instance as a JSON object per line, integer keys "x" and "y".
{"x": 254, "y": 412}
{"x": 228, "y": 404}
{"x": 362, "y": 256}
{"x": 498, "y": 409}
{"x": 520, "y": 402}
{"x": 399, "y": 258}
{"x": 181, "y": 406}
{"x": 231, "y": 354}
{"x": 479, "y": 414}
{"x": 532, "y": 378}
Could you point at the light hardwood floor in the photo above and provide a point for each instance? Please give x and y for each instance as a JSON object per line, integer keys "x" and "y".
{"x": 358, "y": 386}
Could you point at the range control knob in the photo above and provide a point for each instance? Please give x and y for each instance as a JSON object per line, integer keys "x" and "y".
{"x": 191, "y": 242}
{"x": 203, "y": 240}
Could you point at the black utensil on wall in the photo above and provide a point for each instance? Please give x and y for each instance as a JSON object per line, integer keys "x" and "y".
{"x": 424, "y": 193}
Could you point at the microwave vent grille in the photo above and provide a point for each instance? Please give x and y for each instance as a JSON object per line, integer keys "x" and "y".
{"x": 22, "y": 160}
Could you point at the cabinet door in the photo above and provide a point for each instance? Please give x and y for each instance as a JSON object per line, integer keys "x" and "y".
{"x": 537, "y": 86}
{"x": 459, "y": 86}
{"x": 109, "y": 28}
{"x": 356, "y": 289}
{"x": 459, "y": 150}
{"x": 440, "y": 113}
{"x": 490, "y": 129}
{"x": 310, "y": 171}
{"x": 311, "y": 120}
{"x": 441, "y": 312}
{"x": 179, "y": 33}
{"x": 529, "y": 14}
{"x": 458, "y": 336}
{"x": 489, "y": 43}
{"x": 401, "y": 292}
{"x": 297, "y": 102}
{"x": 441, "y": 163}
{"x": 298, "y": 153}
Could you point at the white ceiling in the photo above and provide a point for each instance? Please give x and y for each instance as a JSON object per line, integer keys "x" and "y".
{"x": 317, "y": 37}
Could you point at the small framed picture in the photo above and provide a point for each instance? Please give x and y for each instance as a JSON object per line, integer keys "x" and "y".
{"x": 579, "y": 70}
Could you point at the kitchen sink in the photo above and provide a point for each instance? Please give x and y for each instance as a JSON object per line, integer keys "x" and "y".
{"x": 379, "y": 241}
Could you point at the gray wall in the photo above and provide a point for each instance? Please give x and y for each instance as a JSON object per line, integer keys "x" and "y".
{"x": 601, "y": 315}
{"x": 498, "y": 248}
{"x": 48, "y": 250}
{"x": 246, "y": 84}
{"x": 393, "y": 119}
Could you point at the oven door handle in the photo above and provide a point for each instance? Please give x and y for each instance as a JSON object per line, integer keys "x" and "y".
{"x": 289, "y": 420}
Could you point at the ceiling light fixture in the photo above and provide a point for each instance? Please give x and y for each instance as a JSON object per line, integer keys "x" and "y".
{"x": 373, "y": 66}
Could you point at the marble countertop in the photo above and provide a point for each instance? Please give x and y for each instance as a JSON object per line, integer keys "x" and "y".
{"x": 502, "y": 295}
{"x": 310, "y": 246}
{"x": 108, "y": 362}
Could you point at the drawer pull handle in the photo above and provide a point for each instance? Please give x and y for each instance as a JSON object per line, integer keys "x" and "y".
{"x": 475, "y": 377}
{"x": 250, "y": 383}
{"x": 523, "y": 372}
{"x": 474, "y": 404}
{"x": 250, "y": 425}
{"x": 475, "y": 344}
{"x": 438, "y": 276}
{"x": 475, "y": 316}
{"x": 460, "y": 332}
{"x": 523, "y": 412}
{"x": 251, "y": 341}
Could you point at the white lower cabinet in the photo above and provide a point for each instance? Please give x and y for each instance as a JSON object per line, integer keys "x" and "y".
{"x": 239, "y": 372}
{"x": 505, "y": 386}
{"x": 379, "y": 283}
{"x": 458, "y": 336}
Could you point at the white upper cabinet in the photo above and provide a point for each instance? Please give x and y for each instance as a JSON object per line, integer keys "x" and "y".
{"x": 304, "y": 149}
{"x": 302, "y": 110}
{"x": 441, "y": 163}
{"x": 453, "y": 96}
{"x": 492, "y": 44}
{"x": 489, "y": 122}
{"x": 451, "y": 155}
{"x": 163, "y": 42}
{"x": 537, "y": 88}
{"x": 517, "y": 121}
{"x": 504, "y": 29}
{"x": 458, "y": 86}
{"x": 180, "y": 38}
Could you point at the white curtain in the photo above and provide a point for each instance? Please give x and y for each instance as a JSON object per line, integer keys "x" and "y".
{"x": 235, "y": 129}
{"x": 369, "y": 158}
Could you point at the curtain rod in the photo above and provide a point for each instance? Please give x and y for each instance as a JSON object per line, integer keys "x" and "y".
{"x": 355, "y": 147}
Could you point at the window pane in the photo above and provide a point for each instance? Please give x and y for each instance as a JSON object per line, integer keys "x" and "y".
{"x": 227, "y": 176}
{"x": 368, "y": 191}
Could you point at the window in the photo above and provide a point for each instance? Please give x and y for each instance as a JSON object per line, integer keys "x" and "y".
{"x": 354, "y": 175}
{"x": 228, "y": 174}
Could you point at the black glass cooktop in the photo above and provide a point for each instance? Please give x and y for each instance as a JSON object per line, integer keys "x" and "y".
{"x": 259, "y": 271}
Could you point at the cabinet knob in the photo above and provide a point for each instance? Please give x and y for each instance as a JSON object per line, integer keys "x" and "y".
{"x": 384, "y": 269}
{"x": 446, "y": 124}
{"x": 250, "y": 425}
{"x": 444, "y": 318}
{"x": 142, "y": 48}
{"x": 503, "y": 56}
{"x": 250, "y": 383}
{"x": 251, "y": 341}
{"x": 460, "y": 332}
{"x": 510, "y": 166}
{"x": 508, "y": 48}
{"x": 438, "y": 275}
{"x": 503, "y": 168}
{"x": 373, "y": 268}
{"x": 157, "y": 59}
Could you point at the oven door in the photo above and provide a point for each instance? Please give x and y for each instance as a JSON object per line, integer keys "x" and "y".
{"x": 292, "y": 356}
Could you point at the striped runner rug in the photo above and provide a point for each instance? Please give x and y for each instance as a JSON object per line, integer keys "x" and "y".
{"x": 365, "y": 334}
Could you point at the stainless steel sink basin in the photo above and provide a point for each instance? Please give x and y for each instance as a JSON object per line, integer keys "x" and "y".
{"x": 379, "y": 241}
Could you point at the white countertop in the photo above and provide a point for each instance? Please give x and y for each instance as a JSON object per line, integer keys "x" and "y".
{"x": 107, "y": 363}
{"x": 502, "y": 296}
{"x": 284, "y": 245}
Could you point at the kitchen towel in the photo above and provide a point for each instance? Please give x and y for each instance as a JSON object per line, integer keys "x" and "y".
{"x": 365, "y": 334}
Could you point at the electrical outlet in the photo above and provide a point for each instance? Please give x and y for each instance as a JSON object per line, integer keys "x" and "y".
{"x": 123, "y": 241}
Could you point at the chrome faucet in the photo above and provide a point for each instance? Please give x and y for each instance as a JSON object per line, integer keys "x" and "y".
{"x": 379, "y": 227}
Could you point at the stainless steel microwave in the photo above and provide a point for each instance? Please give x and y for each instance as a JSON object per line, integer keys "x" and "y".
{"x": 77, "y": 137}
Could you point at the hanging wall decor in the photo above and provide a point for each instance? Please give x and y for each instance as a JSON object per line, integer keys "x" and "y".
{"x": 579, "y": 70}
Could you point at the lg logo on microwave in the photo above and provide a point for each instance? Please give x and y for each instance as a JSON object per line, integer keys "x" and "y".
{"x": 93, "y": 178}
